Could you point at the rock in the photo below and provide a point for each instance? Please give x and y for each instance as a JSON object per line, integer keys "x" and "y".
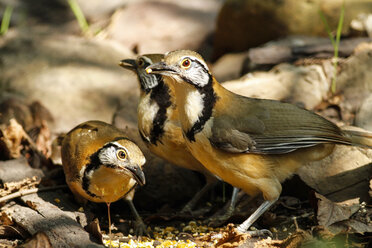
{"x": 306, "y": 85}
{"x": 16, "y": 170}
{"x": 12, "y": 138}
{"x": 298, "y": 48}
{"x": 362, "y": 24}
{"x": 28, "y": 115}
{"x": 75, "y": 78}
{"x": 243, "y": 24}
{"x": 229, "y": 66}
{"x": 13, "y": 108}
{"x": 38, "y": 11}
{"x": 341, "y": 176}
{"x": 363, "y": 117}
{"x": 158, "y": 26}
{"x": 354, "y": 79}
{"x": 96, "y": 9}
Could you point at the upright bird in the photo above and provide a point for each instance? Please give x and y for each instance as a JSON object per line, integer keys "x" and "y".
{"x": 102, "y": 165}
{"x": 159, "y": 126}
{"x": 253, "y": 144}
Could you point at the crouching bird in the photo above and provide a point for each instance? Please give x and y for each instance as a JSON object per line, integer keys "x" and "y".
{"x": 253, "y": 144}
{"x": 102, "y": 165}
{"x": 159, "y": 126}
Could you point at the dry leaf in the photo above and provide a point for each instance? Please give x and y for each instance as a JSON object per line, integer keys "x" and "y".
{"x": 351, "y": 226}
{"x": 5, "y": 219}
{"x": 39, "y": 240}
{"x": 40, "y": 114}
{"x": 94, "y": 229}
{"x": 41, "y": 136}
{"x": 296, "y": 239}
{"x": 11, "y": 232}
{"x": 330, "y": 212}
{"x": 11, "y": 137}
{"x": 228, "y": 237}
{"x": 27, "y": 183}
{"x": 15, "y": 108}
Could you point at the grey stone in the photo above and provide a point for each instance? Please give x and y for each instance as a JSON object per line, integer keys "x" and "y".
{"x": 75, "y": 78}
{"x": 354, "y": 79}
{"x": 342, "y": 175}
{"x": 306, "y": 85}
{"x": 229, "y": 66}
{"x": 363, "y": 117}
{"x": 157, "y": 27}
{"x": 243, "y": 24}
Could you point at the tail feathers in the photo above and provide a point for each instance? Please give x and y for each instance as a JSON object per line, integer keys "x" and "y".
{"x": 359, "y": 138}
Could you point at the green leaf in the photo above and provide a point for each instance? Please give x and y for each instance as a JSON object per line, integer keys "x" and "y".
{"x": 6, "y": 20}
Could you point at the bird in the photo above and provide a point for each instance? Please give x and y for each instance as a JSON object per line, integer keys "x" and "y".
{"x": 253, "y": 144}
{"x": 102, "y": 165}
{"x": 160, "y": 129}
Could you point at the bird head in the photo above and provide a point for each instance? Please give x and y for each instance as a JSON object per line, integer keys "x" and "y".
{"x": 125, "y": 157}
{"x": 183, "y": 65}
{"x": 147, "y": 81}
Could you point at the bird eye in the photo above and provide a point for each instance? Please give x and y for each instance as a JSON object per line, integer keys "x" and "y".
{"x": 121, "y": 154}
{"x": 186, "y": 63}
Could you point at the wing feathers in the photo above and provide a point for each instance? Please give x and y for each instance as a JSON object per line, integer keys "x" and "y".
{"x": 272, "y": 128}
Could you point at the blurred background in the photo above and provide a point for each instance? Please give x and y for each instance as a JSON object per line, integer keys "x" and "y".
{"x": 59, "y": 67}
{"x": 65, "y": 52}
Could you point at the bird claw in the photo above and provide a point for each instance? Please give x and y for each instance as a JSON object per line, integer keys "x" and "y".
{"x": 140, "y": 229}
{"x": 186, "y": 210}
{"x": 194, "y": 213}
{"x": 217, "y": 221}
{"x": 220, "y": 219}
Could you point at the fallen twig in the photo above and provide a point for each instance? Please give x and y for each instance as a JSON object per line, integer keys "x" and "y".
{"x": 30, "y": 191}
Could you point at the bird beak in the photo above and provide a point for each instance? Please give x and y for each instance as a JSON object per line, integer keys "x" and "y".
{"x": 161, "y": 68}
{"x": 137, "y": 174}
{"x": 129, "y": 64}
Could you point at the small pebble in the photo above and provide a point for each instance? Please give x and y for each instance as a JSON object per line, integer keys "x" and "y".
{"x": 167, "y": 237}
{"x": 273, "y": 230}
{"x": 192, "y": 223}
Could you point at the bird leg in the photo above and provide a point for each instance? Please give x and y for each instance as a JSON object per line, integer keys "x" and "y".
{"x": 251, "y": 219}
{"x": 218, "y": 219}
{"x": 109, "y": 221}
{"x": 191, "y": 204}
{"x": 234, "y": 198}
{"x": 140, "y": 227}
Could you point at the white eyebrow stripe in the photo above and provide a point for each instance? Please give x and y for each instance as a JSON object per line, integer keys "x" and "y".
{"x": 195, "y": 59}
{"x": 119, "y": 145}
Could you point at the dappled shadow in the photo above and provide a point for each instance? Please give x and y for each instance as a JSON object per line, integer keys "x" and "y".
{"x": 352, "y": 189}
{"x": 45, "y": 11}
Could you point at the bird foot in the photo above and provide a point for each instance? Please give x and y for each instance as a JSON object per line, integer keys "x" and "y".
{"x": 194, "y": 213}
{"x": 186, "y": 210}
{"x": 216, "y": 221}
{"x": 140, "y": 229}
{"x": 219, "y": 219}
